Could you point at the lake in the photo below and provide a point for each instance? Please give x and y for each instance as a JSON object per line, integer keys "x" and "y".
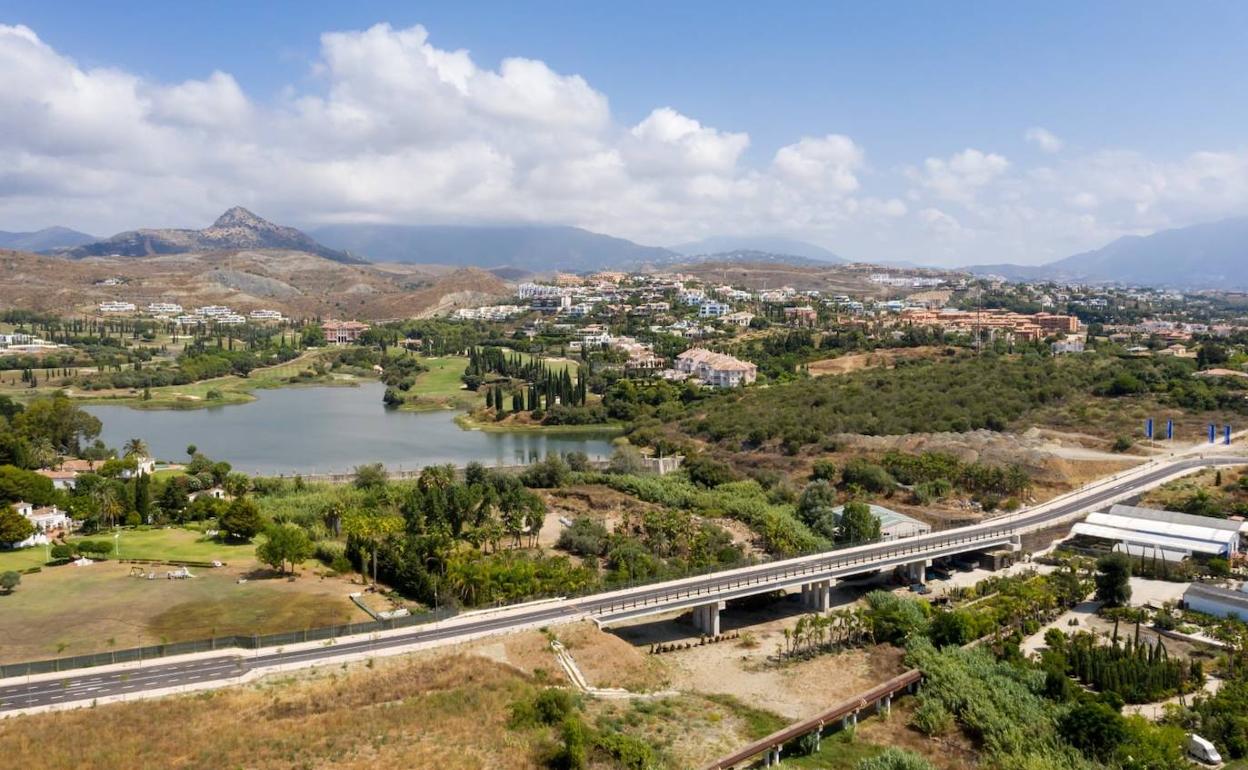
{"x": 330, "y": 430}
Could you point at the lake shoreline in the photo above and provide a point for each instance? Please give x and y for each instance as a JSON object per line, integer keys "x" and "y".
{"x": 314, "y": 430}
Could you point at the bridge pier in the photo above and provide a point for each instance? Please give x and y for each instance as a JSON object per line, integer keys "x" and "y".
{"x": 916, "y": 572}
{"x": 817, "y": 596}
{"x": 706, "y": 618}
{"x": 884, "y": 705}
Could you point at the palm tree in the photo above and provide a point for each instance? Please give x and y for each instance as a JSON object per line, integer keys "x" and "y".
{"x": 135, "y": 447}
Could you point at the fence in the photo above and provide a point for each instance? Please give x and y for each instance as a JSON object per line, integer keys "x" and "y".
{"x": 254, "y": 642}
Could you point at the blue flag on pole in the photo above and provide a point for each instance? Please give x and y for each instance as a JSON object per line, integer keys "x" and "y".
{"x": 1148, "y": 428}
{"x": 1169, "y": 430}
{"x": 1213, "y": 432}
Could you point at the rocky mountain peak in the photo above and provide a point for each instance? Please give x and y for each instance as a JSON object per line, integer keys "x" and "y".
{"x": 241, "y": 217}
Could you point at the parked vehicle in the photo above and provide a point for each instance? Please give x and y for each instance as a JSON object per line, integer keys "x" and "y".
{"x": 1202, "y": 750}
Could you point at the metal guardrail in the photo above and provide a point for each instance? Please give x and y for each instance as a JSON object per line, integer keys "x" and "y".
{"x": 253, "y": 642}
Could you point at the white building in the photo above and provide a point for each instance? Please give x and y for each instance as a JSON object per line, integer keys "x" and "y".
{"x": 1220, "y": 602}
{"x": 712, "y": 309}
{"x": 1168, "y": 535}
{"x": 116, "y": 307}
{"x": 212, "y": 311}
{"x": 741, "y": 318}
{"x": 46, "y": 520}
{"x": 266, "y": 315}
{"x": 716, "y": 369}
{"x": 164, "y": 308}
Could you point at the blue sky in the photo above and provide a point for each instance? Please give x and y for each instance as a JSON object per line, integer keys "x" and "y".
{"x": 1142, "y": 107}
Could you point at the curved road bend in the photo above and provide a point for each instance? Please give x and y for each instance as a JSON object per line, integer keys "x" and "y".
{"x": 83, "y": 686}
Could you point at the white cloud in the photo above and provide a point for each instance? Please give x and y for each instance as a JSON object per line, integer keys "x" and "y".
{"x": 392, "y": 128}
{"x": 960, "y": 177}
{"x": 1044, "y": 139}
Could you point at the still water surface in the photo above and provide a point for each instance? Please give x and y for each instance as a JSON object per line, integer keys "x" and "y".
{"x": 329, "y": 430}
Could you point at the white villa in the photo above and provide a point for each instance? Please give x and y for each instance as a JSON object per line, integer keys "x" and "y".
{"x": 716, "y": 369}
{"x": 47, "y": 520}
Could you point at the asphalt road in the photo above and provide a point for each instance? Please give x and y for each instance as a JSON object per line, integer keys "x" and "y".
{"x": 83, "y": 686}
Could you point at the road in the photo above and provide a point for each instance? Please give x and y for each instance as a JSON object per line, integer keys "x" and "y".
{"x": 86, "y": 685}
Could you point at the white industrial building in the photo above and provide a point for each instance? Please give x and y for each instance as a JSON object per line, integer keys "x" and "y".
{"x": 893, "y": 525}
{"x": 1221, "y": 602}
{"x": 1169, "y": 535}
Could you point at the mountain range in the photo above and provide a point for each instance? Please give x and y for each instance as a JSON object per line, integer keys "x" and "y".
{"x": 1212, "y": 255}
{"x": 776, "y": 245}
{"x": 47, "y": 239}
{"x": 237, "y": 228}
{"x": 535, "y": 248}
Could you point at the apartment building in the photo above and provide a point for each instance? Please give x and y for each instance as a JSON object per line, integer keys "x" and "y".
{"x": 718, "y": 370}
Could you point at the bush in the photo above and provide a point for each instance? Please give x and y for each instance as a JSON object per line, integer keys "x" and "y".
{"x": 867, "y": 475}
{"x": 931, "y": 717}
{"x": 708, "y": 472}
{"x": 585, "y": 537}
{"x": 894, "y": 759}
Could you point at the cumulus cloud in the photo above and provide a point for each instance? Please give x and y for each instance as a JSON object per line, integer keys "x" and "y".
{"x": 392, "y": 128}
{"x": 960, "y": 177}
{"x": 1044, "y": 139}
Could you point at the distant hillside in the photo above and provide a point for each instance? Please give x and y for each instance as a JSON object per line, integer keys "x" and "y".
{"x": 722, "y": 244}
{"x": 535, "y": 248}
{"x": 237, "y": 228}
{"x": 752, "y": 257}
{"x": 1205, "y": 256}
{"x": 47, "y": 239}
{"x": 299, "y": 284}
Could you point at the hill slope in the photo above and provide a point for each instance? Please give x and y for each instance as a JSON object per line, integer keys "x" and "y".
{"x": 299, "y": 284}
{"x": 535, "y": 248}
{"x": 722, "y": 244}
{"x": 47, "y": 239}
{"x": 237, "y": 228}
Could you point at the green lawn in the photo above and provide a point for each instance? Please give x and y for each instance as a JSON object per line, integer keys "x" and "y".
{"x": 22, "y": 559}
{"x": 175, "y": 545}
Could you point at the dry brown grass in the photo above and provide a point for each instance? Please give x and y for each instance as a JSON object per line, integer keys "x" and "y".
{"x": 446, "y": 712}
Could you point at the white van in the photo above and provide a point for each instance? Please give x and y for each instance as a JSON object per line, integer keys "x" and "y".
{"x": 1202, "y": 750}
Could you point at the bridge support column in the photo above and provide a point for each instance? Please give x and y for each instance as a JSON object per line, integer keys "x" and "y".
{"x": 916, "y": 572}
{"x": 817, "y": 596}
{"x": 884, "y": 705}
{"x": 706, "y": 618}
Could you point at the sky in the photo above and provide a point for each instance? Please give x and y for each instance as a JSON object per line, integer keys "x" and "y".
{"x": 941, "y": 133}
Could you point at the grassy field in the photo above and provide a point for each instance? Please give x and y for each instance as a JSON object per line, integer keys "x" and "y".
{"x": 175, "y": 545}
{"x": 70, "y": 610}
{"x": 441, "y": 387}
{"x": 231, "y": 389}
{"x": 446, "y": 713}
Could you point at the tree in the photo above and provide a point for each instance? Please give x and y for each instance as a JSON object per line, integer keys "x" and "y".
{"x": 858, "y": 524}
{"x": 284, "y": 543}
{"x": 9, "y": 581}
{"x": 1113, "y": 579}
{"x": 1094, "y": 728}
{"x": 372, "y": 529}
{"x": 707, "y": 471}
{"x": 242, "y": 520}
{"x": 143, "y": 496}
{"x": 956, "y": 627}
{"x": 370, "y": 476}
{"x": 135, "y": 447}
{"x": 14, "y": 527}
{"x": 236, "y": 484}
{"x": 21, "y": 485}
